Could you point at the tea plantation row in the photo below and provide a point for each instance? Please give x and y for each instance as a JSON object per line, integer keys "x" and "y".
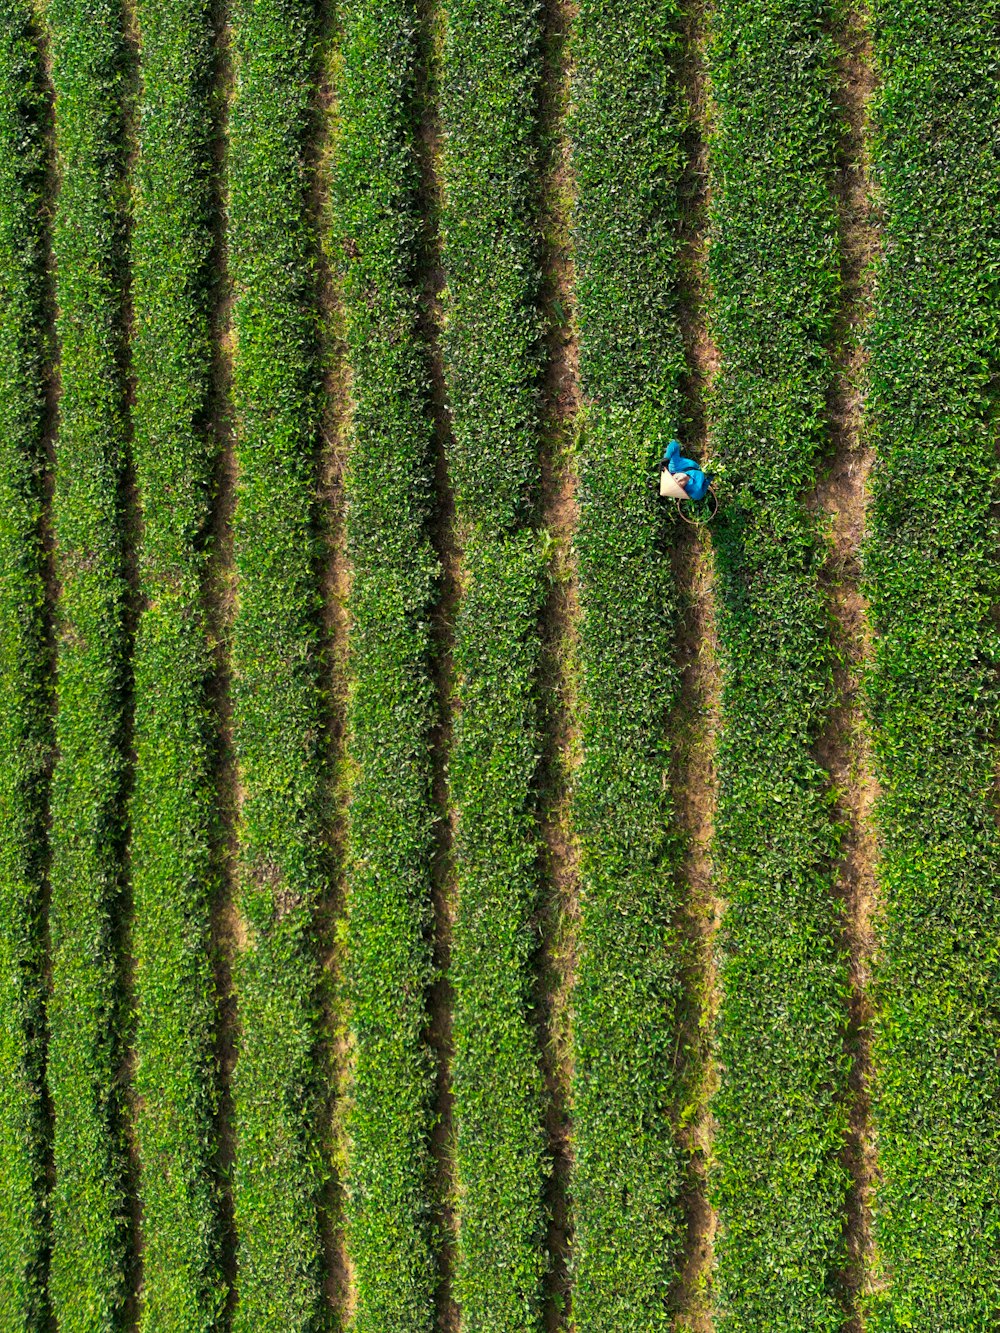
{"x": 391, "y": 1222}
{"x": 932, "y": 581}
{"x": 490, "y": 104}
{"x": 87, "y": 1007}
{"x": 629, "y": 1171}
{"x": 781, "y": 1112}
{"x": 174, "y": 871}
{"x": 25, "y": 684}
{"x": 277, "y": 691}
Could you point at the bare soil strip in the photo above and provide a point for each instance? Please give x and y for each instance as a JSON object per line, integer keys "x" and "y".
{"x": 699, "y": 711}
{"x": 335, "y": 583}
{"x": 559, "y": 515}
{"x": 844, "y": 748}
{"x": 696, "y": 795}
{"x": 228, "y": 930}
{"x": 447, "y": 543}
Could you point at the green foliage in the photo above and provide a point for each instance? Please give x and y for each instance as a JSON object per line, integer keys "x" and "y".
{"x": 173, "y": 811}
{"x": 490, "y": 91}
{"x": 628, "y": 155}
{"x": 932, "y": 580}
{"x": 628, "y": 1170}
{"x": 495, "y": 1070}
{"x": 25, "y": 688}
{"x": 391, "y": 708}
{"x": 88, "y": 1275}
{"x": 490, "y": 101}
{"x": 276, "y": 689}
{"x": 781, "y": 1185}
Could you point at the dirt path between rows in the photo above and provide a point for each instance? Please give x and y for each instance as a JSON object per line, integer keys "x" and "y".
{"x": 558, "y": 516}
{"x": 696, "y": 798}
{"x": 448, "y": 547}
{"x": 228, "y": 932}
{"x": 844, "y": 747}
{"x": 695, "y": 778}
{"x": 335, "y": 577}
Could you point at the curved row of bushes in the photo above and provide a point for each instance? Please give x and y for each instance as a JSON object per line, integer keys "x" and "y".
{"x": 25, "y": 684}
{"x": 173, "y": 814}
{"x": 781, "y": 1184}
{"x": 277, "y": 700}
{"x": 931, "y": 571}
{"x": 490, "y": 101}
{"x": 391, "y": 1227}
{"x": 627, "y": 1002}
{"x": 89, "y": 1272}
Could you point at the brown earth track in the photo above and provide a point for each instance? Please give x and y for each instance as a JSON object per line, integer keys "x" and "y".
{"x": 694, "y": 777}
{"x": 558, "y": 517}
{"x": 448, "y": 546}
{"x": 696, "y": 789}
{"x": 843, "y": 749}
{"x": 335, "y": 582}
{"x": 228, "y": 932}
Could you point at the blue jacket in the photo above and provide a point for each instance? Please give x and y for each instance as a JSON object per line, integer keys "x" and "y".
{"x": 697, "y": 481}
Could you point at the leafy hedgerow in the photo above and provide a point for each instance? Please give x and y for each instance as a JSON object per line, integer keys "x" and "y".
{"x": 493, "y": 353}
{"x": 781, "y": 1184}
{"x": 391, "y": 708}
{"x": 173, "y": 810}
{"x": 496, "y": 1078}
{"x": 490, "y": 94}
{"x": 89, "y": 1270}
{"x": 279, "y": 1171}
{"x": 931, "y": 576}
{"x": 627, "y": 1174}
{"x": 25, "y": 685}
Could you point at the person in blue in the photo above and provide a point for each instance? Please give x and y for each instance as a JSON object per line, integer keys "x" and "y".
{"x": 686, "y": 472}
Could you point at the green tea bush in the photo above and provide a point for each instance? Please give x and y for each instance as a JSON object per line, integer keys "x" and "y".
{"x": 89, "y": 1260}
{"x": 391, "y": 704}
{"x": 25, "y": 684}
{"x": 490, "y": 97}
{"x": 174, "y": 817}
{"x": 277, "y": 704}
{"x": 490, "y": 104}
{"x": 628, "y": 1171}
{"x": 781, "y": 1184}
{"x": 931, "y": 577}
{"x": 495, "y": 1071}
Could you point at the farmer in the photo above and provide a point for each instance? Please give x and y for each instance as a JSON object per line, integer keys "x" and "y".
{"x": 685, "y": 471}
